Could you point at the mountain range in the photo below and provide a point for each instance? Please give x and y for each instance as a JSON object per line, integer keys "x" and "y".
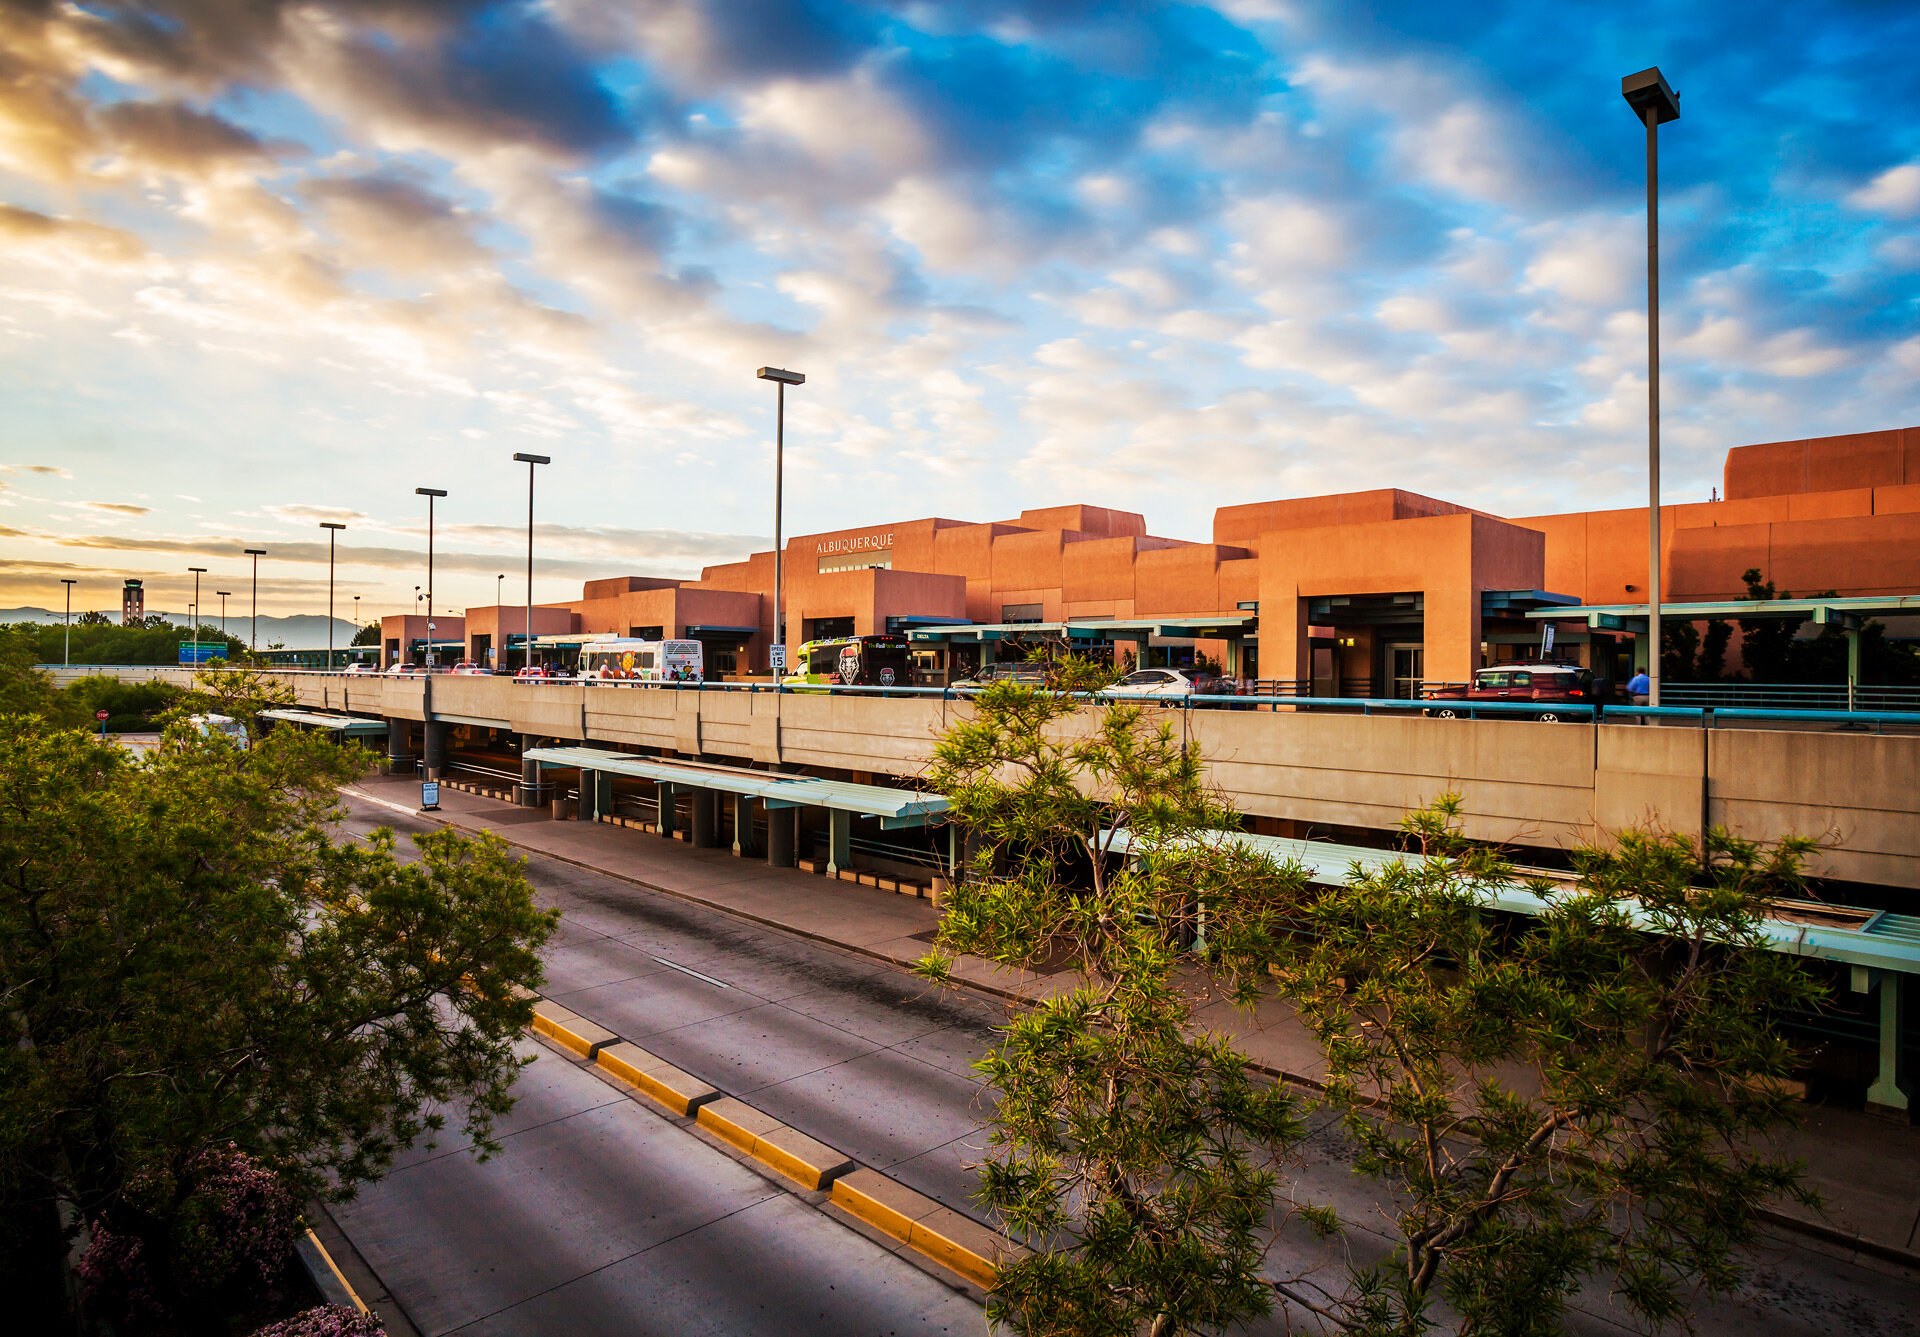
{"x": 303, "y": 631}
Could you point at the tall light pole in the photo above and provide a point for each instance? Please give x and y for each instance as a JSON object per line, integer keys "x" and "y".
{"x": 193, "y": 619}
{"x": 430, "y": 493}
{"x": 253, "y": 633}
{"x": 333, "y": 532}
{"x": 1654, "y": 104}
{"x": 782, "y": 379}
{"x": 223, "y": 615}
{"x": 66, "y": 654}
{"x": 527, "y": 644}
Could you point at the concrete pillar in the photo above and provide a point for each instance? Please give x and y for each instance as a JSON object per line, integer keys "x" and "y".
{"x": 1853, "y": 668}
{"x": 986, "y": 653}
{"x": 1452, "y": 633}
{"x": 839, "y": 841}
{"x": 783, "y": 833}
{"x": 529, "y": 783}
{"x": 602, "y": 802}
{"x": 399, "y": 746}
{"x": 665, "y": 794}
{"x": 435, "y": 752}
{"x": 1888, "y": 1094}
{"x": 706, "y": 819}
{"x": 742, "y": 825}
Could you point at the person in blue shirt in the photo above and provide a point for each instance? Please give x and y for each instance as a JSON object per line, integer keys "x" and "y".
{"x": 1640, "y": 687}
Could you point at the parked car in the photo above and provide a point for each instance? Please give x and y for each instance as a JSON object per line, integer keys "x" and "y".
{"x": 361, "y": 666}
{"x": 542, "y": 673}
{"x": 1014, "y": 671}
{"x": 1549, "y": 684}
{"x": 400, "y": 668}
{"x": 1157, "y": 683}
{"x": 472, "y": 666}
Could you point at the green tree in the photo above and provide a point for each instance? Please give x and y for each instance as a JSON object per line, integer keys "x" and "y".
{"x": 1572, "y": 1099}
{"x": 25, "y": 689}
{"x": 367, "y": 635}
{"x": 190, "y": 966}
{"x": 1134, "y": 1155}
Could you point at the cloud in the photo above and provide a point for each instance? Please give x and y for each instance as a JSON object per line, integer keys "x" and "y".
{"x": 299, "y": 513}
{"x": 1895, "y": 192}
{"x": 54, "y": 240}
{"x": 117, "y": 508}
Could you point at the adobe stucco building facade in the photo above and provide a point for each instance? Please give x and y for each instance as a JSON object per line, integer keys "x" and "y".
{"x": 1363, "y": 591}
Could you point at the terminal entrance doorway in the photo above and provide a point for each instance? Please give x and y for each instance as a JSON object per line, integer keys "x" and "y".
{"x": 1406, "y": 665}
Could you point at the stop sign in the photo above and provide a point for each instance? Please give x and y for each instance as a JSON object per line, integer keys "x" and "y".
{"x": 99, "y": 714}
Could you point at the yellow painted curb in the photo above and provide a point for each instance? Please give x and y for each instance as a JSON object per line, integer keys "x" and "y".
{"x": 338, "y": 1275}
{"x": 655, "y": 1078}
{"x": 800, "y": 1158}
{"x": 583, "y": 1037}
{"x": 923, "y": 1225}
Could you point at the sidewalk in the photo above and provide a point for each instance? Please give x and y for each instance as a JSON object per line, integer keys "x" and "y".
{"x": 1867, "y": 1169}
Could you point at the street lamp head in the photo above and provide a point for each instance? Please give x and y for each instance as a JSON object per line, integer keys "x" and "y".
{"x": 533, "y": 459}
{"x": 328, "y": 524}
{"x": 223, "y": 593}
{"x": 255, "y": 552}
{"x": 784, "y": 377}
{"x": 201, "y": 570}
{"x": 430, "y": 491}
{"x": 68, "y": 580}
{"x": 1649, "y": 89}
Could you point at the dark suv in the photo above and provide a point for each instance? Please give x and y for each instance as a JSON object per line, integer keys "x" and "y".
{"x": 1548, "y": 684}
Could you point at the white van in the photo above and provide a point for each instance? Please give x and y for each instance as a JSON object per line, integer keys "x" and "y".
{"x": 643, "y": 661}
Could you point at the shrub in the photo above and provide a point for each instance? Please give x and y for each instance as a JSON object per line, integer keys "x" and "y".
{"x": 325, "y": 1321}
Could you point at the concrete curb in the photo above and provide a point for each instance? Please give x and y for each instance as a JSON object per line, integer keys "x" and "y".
{"x": 327, "y": 1277}
{"x": 956, "y": 1242}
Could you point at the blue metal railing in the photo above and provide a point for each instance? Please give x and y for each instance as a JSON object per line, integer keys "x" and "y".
{"x": 1702, "y": 716}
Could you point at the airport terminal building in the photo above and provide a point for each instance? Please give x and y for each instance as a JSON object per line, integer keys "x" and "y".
{"x": 1358, "y": 594}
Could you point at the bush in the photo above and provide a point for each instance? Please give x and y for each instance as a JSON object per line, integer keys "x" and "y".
{"x": 131, "y": 707}
{"x": 325, "y": 1321}
{"x": 235, "y": 1235}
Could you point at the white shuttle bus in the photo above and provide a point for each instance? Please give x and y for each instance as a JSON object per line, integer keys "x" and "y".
{"x": 625, "y": 660}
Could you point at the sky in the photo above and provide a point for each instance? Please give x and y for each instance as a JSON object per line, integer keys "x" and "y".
{"x": 267, "y": 264}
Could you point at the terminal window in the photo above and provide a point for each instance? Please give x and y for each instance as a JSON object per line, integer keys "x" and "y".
{"x": 856, "y": 562}
{"x": 1021, "y": 613}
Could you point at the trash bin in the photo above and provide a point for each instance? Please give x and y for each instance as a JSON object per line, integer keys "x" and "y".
{"x": 560, "y": 806}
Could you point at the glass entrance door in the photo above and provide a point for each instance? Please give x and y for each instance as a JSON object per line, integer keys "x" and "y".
{"x": 1406, "y": 669}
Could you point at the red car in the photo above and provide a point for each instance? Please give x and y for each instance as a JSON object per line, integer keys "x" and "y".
{"x": 1522, "y": 683}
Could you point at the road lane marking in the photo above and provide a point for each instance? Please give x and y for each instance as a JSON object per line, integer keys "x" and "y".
{"x": 671, "y": 965}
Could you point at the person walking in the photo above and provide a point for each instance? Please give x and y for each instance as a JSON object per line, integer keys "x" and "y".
{"x": 1639, "y": 687}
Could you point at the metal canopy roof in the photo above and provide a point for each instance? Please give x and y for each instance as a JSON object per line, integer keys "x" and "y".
{"x": 1221, "y": 626}
{"x": 347, "y": 724}
{"x": 1840, "y": 612}
{"x": 1885, "y": 941}
{"x": 894, "y": 807}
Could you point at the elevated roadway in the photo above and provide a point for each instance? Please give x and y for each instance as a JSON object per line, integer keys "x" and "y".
{"x": 1523, "y": 782}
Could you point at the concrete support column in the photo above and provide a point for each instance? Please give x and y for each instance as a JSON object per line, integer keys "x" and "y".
{"x": 839, "y": 841}
{"x": 435, "y": 752}
{"x": 742, "y": 825}
{"x": 706, "y": 819}
{"x": 1888, "y": 1094}
{"x": 665, "y": 793}
{"x": 986, "y": 653}
{"x": 783, "y": 833}
{"x": 399, "y": 746}
{"x": 602, "y": 802}
{"x": 529, "y": 783}
{"x": 1453, "y": 633}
